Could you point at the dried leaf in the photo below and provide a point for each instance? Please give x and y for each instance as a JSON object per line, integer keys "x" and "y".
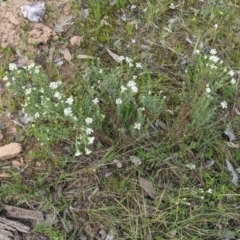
{"x": 16, "y": 163}
{"x": 5, "y": 175}
{"x": 171, "y": 234}
{"x": 107, "y": 174}
{"x": 161, "y": 124}
{"x": 103, "y": 233}
{"x": 230, "y": 135}
{"x": 83, "y": 56}
{"x": 135, "y": 160}
{"x": 76, "y": 41}
{"x": 95, "y": 191}
{"x": 232, "y": 145}
{"x": 234, "y": 174}
{"x": 118, "y": 163}
{"x": 112, "y": 2}
{"x": 237, "y": 111}
{"x": 147, "y": 187}
{"x": 110, "y": 236}
{"x": 67, "y": 55}
{"x": 113, "y": 55}
{"x": 210, "y": 163}
{"x": 67, "y": 22}
{"x": 84, "y": 13}
{"x": 191, "y": 166}
{"x": 133, "y": 23}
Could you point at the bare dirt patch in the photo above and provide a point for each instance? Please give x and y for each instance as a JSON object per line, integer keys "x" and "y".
{"x": 18, "y": 32}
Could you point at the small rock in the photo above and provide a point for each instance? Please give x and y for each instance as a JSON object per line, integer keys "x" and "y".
{"x": 10, "y": 151}
{"x": 34, "y": 12}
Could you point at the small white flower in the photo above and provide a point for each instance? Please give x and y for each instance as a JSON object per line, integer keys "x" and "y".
{"x": 37, "y": 70}
{"x": 209, "y": 191}
{"x": 121, "y": 58}
{"x": 137, "y": 126}
{"x": 36, "y": 115}
{"x": 133, "y": 41}
{"x": 32, "y": 65}
{"x": 213, "y": 51}
{"x": 54, "y": 85}
{"x": 8, "y": 84}
{"x": 233, "y": 81}
{"x": 57, "y": 95}
{"x": 214, "y": 58}
{"x": 224, "y": 104}
{"x": 70, "y": 100}
{"x": 28, "y": 91}
{"x": 134, "y": 89}
{"x": 134, "y": 77}
{"x": 95, "y": 101}
{"x": 123, "y": 89}
{"x": 139, "y": 65}
{"x": 130, "y": 64}
{"x": 87, "y": 151}
{"x": 197, "y": 51}
{"x": 212, "y": 66}
{"x": 216, "y": 25}
{"x": 118, "y": 101}
{"x": 5, "y": 78}
{"x": 91, "y": 140}
{"x": 131, "y": 84}
{"x": 191, "y": 166}
{"x": 231, "y": 73}
{"x": 88, "y": 120}
{"x": 100, "y": 71}
{"x": 67, "y": 112}
{"x": 12, "y": 66}
{"x": 128, "y": 59}
{"x": 89, "y": 131}
{"x": 208, "y": 89}
{"x": 78, "y": 153}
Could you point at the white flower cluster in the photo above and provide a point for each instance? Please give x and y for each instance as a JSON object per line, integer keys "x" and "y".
{"x": 12, "y": 66}
{"x": 55, "y": 85}
{"x": 85, "y": 138}
{"x": 130, "y": 62}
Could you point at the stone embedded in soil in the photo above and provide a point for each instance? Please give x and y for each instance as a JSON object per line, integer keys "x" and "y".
{"x": 10, "y": 151}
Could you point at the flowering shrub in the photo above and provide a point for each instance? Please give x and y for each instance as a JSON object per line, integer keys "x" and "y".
{"x": 113, "y": 103}
{"x": 221, "y": 82}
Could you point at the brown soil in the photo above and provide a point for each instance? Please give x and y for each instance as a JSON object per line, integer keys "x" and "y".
{"x": 18, "y": 32}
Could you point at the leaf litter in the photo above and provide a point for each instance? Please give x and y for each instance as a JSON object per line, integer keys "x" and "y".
{"x": 230, "y": 134}
{"x": 147, "y": 186}
{"x": 135, "y": 160}
{"x": 234, "y": 174}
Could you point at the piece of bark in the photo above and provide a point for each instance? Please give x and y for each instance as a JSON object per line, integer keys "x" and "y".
{"x": 4, "y": 237}
{"x": 16, "y": 236}
{"x": 20, "y": 213}
{"x": 10, "y": 151}
{"x": 10, "y": 225}
{"x": 5, "y": 233}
